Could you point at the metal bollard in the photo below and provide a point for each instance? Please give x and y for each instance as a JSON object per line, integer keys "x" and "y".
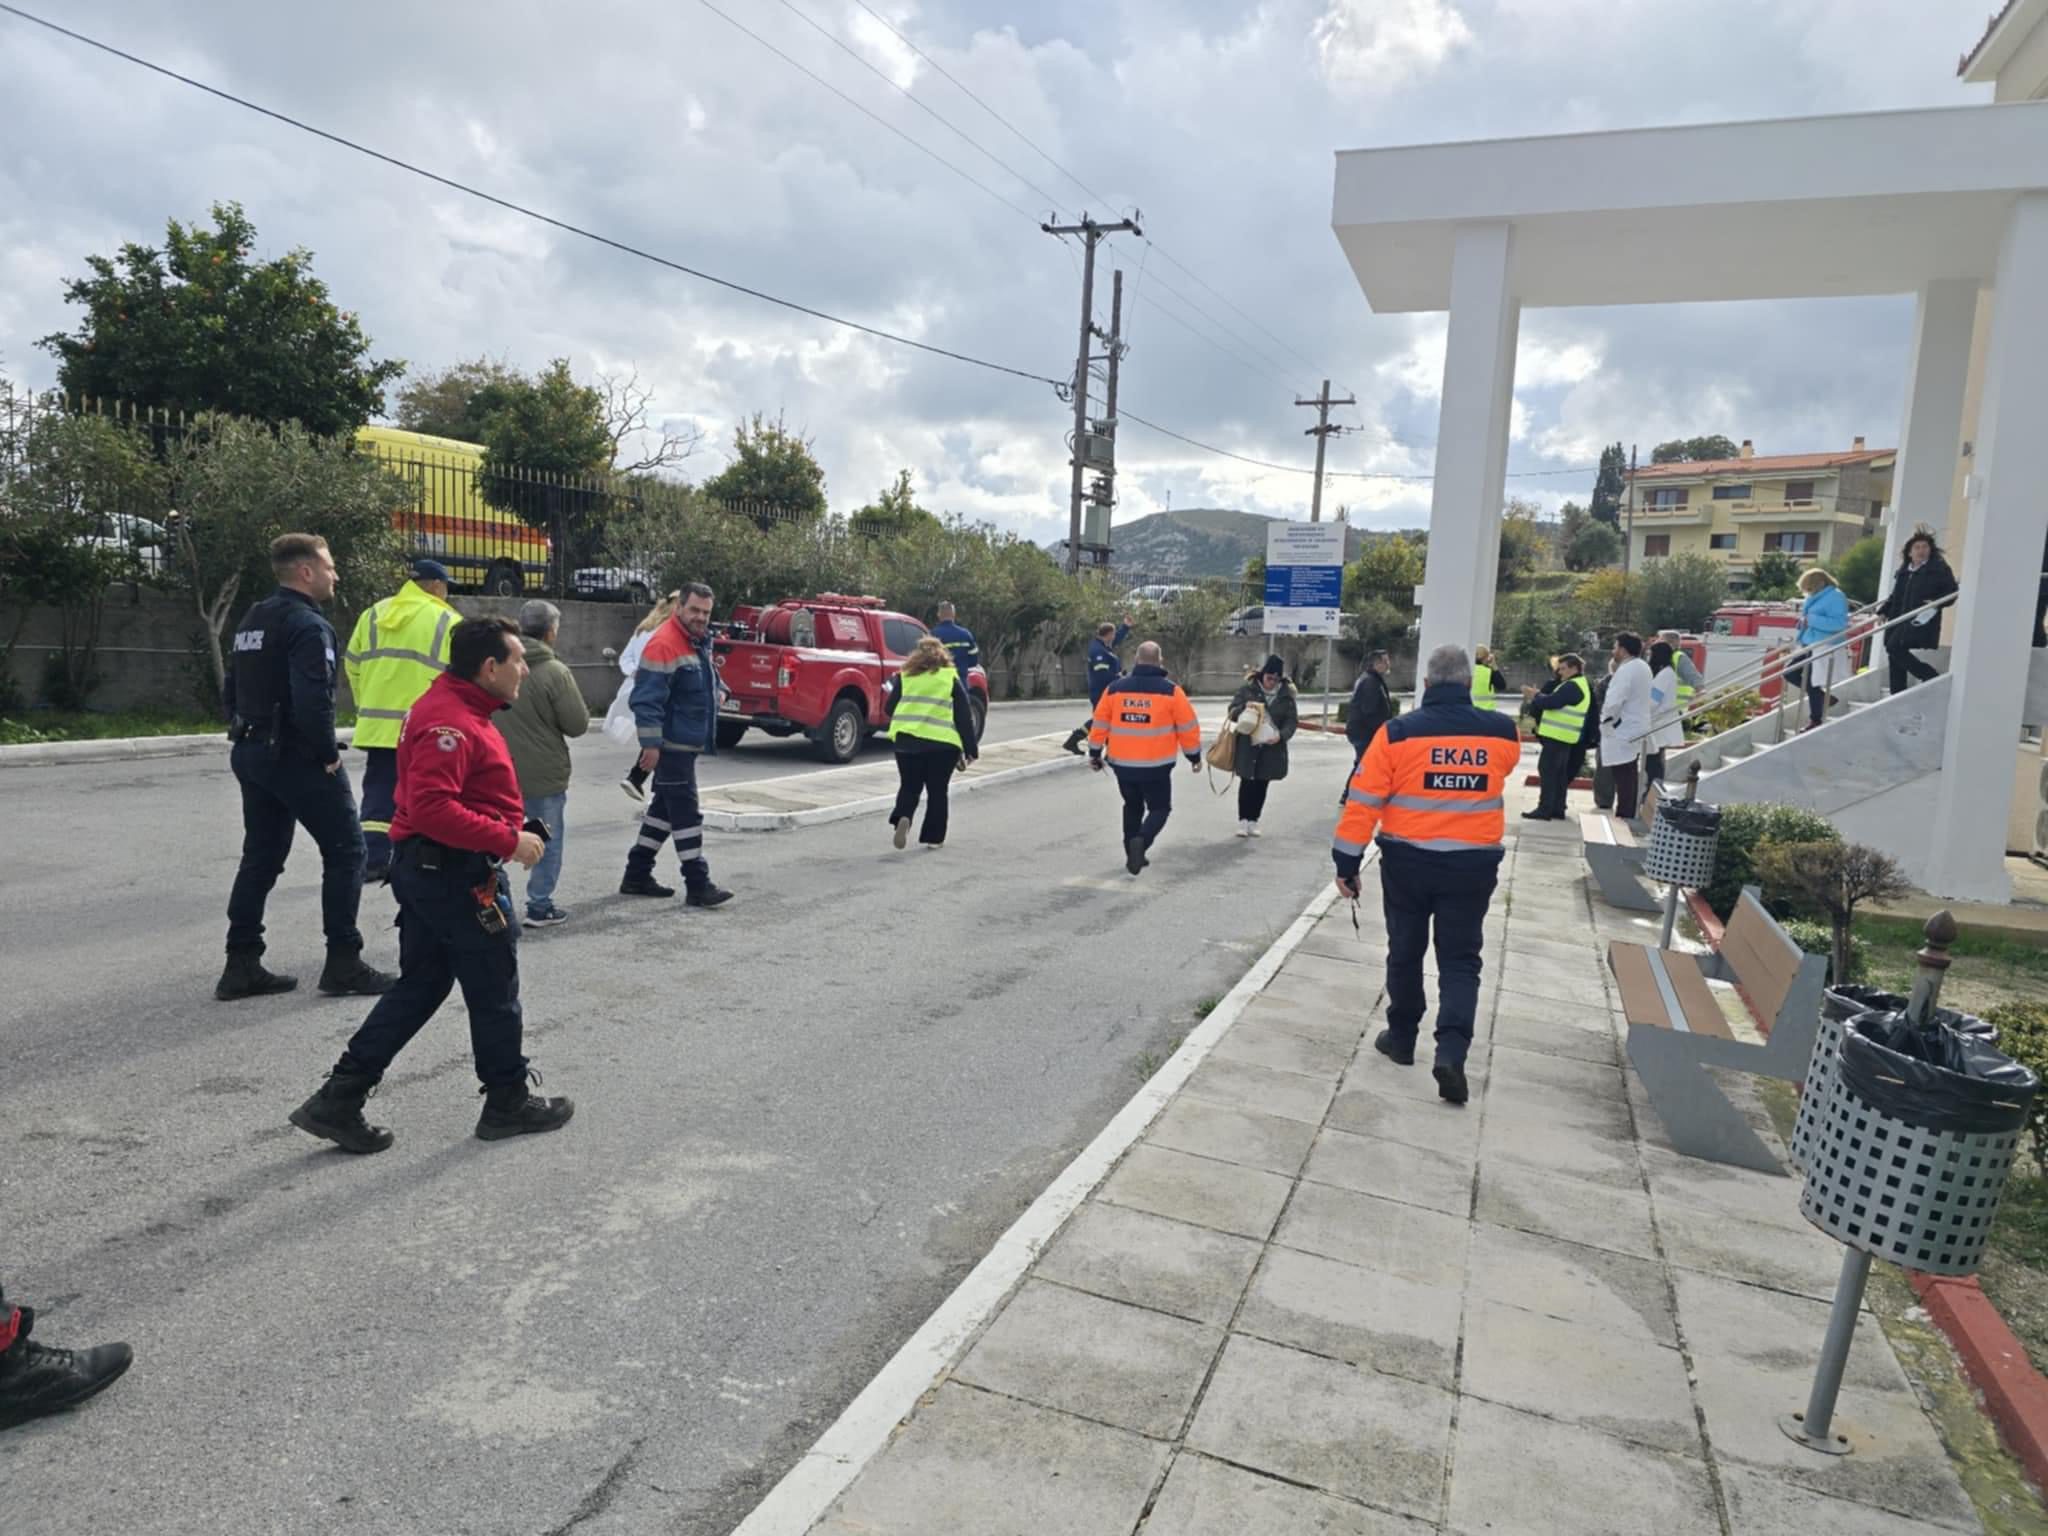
{"x": 1815, "y": 1428}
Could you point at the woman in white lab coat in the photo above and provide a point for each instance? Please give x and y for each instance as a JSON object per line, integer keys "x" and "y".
{"x": 1625, "y": 721}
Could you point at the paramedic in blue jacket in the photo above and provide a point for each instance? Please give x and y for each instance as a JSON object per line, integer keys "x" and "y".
{"x": 1103, "y": 669}
{"x": 958, "y": 640}
{"x": 675, "y": 705}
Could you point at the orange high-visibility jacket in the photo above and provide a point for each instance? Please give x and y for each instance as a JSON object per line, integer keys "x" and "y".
{"x": 1142, "y": 720}
{"x": 1433, "y": 780}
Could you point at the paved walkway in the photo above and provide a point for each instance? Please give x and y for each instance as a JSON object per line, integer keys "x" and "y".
{"x": 1313, "y": 1298}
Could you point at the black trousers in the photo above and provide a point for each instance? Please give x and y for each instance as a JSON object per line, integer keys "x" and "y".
{"x": 1816, "y": 705}
{"x": 2037, "y": 635}
{"x": 441, "y": 946}
{"x": 280, "y": 793}
{"x": 1148, "y": 801}
{"x": 1653, "y": 768}
{"x": 1905, "y": 669}
{"x": 926, "y": 774}
{"x": 1251, "y": 798}
{"x": 1554, "y": 772}
{"x": 380, "y": 803}
{"x": 1416, "y": 896}
{"x": 672, "y": 815}
{"x": 1627, "y": 784}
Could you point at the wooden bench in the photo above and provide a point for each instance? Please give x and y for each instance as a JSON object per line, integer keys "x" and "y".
{"x": 1676, "y": 1028}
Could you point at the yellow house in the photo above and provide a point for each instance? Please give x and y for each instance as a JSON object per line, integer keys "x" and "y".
{"x": 1811, "y": 506}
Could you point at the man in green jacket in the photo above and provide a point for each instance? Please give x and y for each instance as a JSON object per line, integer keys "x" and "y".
{"x": 537, "y": 727}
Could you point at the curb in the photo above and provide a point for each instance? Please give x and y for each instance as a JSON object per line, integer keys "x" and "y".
{"x": 844, "y": 1450}
{"x": 817, "y": 816}
{"x": 41, "y": 754}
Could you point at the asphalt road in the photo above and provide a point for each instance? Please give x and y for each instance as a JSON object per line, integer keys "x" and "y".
{"x": 800, "y": 1121}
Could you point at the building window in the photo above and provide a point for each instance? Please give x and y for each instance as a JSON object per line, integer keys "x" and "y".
{"x": 1666, "y": 499}
{"x": 1721, "y": 540}
{"x": 1798, "y": 490}
{"x": 1803, "y": 543}
{"x": 1731, "y": 493}
{"x": 1655, "y": 544}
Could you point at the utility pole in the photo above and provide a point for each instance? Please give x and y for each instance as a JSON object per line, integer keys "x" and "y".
{"x": 1091, "y": 234}
{"x": 1321, "y": 433}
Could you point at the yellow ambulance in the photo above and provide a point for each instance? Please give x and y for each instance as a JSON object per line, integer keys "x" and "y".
{"x": 485, "y": 549}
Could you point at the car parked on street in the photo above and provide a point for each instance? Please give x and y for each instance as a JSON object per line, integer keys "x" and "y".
{"x": 816, "y": 667}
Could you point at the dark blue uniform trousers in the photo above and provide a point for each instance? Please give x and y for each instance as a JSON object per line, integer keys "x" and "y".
{"x": 1148, "y": 801}
{"x": 441, "y": 945}
{"x": 672, "y": 816}
{"x": 279, "y": 793}
{"x": 1415, "y": 893}
{"x": 380, "y": 790}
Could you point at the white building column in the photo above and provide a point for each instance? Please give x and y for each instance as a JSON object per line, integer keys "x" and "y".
{"x": 1930, "y": 437}
{"x": 2001, "y": 565}
{"x": 1471, "y": 440}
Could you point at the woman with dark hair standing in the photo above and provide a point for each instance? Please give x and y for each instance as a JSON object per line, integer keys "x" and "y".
{"x": 1667, "y": 724}
{"x": 1262, "y": 751}
{"x": 1923, "y": 577}
{"x": 931, "y": 725}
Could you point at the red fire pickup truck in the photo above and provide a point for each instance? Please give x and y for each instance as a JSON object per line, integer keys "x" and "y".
{"x": 817, "y": 665}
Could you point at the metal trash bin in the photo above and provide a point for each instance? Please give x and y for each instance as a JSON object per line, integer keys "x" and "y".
{"x": 1841, "y": 1004}
{"x": 1683, "y": 840}
{"x": 1916, "y": 1141}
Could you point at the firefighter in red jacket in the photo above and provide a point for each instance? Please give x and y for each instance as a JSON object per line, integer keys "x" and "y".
{"x": 459, "y": 816}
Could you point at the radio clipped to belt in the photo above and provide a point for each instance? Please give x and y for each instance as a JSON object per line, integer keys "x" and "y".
{"x": 489, "y": 913}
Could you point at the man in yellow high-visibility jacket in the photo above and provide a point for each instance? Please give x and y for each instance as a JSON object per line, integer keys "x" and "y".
{"x": 398, "y": 648}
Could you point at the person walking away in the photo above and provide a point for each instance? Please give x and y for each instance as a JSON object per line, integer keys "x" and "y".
{"x": 675, "y": 702}
{"x": 1262, "y": 756}
{"x": 1486, "y": 679}
{"x": 1625, "y": 723}
{"x": 397, "y": 648}
{"x": 459, "y": 817}
{"x": 1103, "y": 669}
{"x": 1923, "y": 577}
{"x": 1140, "y": 722}
{"x": 1667, "y": 721}
{"x": 931, "y": 726}
{"x": 1823, "y": 621}
{"x": 1432, "y": 786}
{"x": 958, "y": 641}
{"x": 36, "y": 1379}
{"x": 634, "y": 783}
{"x": 538, "y": 726}
{"x": 1560, "y": 711}
{"x": 1372, "y": 706}
{"x": 279, "y": 696}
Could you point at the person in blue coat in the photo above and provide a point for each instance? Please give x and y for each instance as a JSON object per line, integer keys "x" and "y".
{"x": 1823, "y": 621}
{"x": 958, "y": 640}
{"x": 1103, "y": 669}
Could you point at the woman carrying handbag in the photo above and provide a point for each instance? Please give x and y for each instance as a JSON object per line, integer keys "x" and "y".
{"x": 1265, "y": 715}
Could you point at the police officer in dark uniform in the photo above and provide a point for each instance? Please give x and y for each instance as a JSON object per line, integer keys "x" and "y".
{"x": 280, "y": 703}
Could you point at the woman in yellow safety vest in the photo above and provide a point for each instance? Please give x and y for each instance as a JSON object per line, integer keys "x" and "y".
{"x": 1485, "y": 678}
{"x": 1560, "y": 712}
{"x": 931, "y": 724}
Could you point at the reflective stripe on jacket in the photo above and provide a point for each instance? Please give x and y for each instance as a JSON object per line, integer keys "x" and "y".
{"x": 1566, "y": 722}
{"x": 397, "y": 649}
{"x": 926, "y": 707}
{"x": 1433, "y": 781}
{"x": 1142, "y": 721}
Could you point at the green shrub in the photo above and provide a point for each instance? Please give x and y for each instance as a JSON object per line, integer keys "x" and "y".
{"x": 2023, "y": 1035}
{"x": 1744, "y": 829}
{"x": 1818, "y": 938}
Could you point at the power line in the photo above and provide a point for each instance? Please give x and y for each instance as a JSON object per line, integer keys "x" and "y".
{"x": 916, "y": 144}
{"x": 525, "y": 212}
{"x": 883, "y": 75}
{"x": 1303, "y": 469}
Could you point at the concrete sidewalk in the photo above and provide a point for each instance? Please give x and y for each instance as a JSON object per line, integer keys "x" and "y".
{"x": 1313, "y": 1298}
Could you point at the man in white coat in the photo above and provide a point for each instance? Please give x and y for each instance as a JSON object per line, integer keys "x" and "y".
{"x": 1625, "y": 721}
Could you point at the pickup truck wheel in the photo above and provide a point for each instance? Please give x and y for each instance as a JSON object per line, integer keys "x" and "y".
{"x": 729, "y": 734}
{"x": 504, "y": 580}
{"x": 844, "y": 730}
{"x": 979, "y": 706}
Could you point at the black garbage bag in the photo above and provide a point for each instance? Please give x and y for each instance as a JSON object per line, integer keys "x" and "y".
{"x": 1934, "y": 1077}
{"x": 1844, "y": 1003}
{"x": 1694, "y": 818}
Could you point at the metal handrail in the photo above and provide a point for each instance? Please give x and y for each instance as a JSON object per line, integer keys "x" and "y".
{"x": 1794, "y": 655}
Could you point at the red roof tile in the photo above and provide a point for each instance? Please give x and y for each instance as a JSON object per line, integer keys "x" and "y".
{"x": 1773, "y": 464}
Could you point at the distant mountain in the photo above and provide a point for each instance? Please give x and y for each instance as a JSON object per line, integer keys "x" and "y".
{"x": 1188, "y": 544}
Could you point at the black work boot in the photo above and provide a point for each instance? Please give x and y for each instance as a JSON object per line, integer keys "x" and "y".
{"x": 246, "y": 977}
{"x": 1073, "y": 742}
{"x": 1450, "y": 1083}
{"x": 37, "y": 1380}
{"x": 707, "y": 897}
{"x": 1134, "y": 854}
{"x": 335, "y": 1113}
{"x": 345, "y": 975}
{"x": 644, "y": 885}
{"x": 1383, "y": 1042}
{"x": 511, "y": 1110}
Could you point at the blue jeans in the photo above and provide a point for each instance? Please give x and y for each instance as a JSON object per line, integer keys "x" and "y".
{"x": 540, "y": 884}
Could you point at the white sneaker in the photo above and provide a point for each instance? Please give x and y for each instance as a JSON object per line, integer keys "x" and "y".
{"x": 903, "y": 832}
{"x": 1253, "y": 828}
{"x": 1244, "y": 829}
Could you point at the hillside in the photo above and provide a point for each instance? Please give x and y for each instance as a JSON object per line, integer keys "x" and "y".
{"x": 1196, "y": 542}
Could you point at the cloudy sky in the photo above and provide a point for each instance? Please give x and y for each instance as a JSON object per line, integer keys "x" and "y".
{"x": 668, "y": 127}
